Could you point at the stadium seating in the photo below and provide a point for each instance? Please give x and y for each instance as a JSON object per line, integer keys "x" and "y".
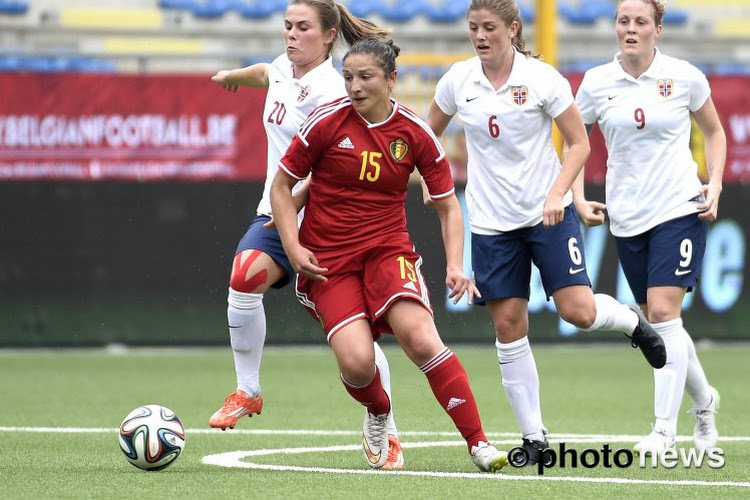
{"x": 13, "y": 7}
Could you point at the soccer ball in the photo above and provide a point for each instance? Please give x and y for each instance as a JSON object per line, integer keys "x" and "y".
{"x": 152, "y": 437}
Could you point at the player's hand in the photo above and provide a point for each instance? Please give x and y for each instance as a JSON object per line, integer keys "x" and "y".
{"x": 459, "y": 285}
{"x": 305, "y": 263}
{"x": 554, "y": 212}
{"x": 591, "y": 212}
{"x": 222, "y": 78}
{"x": 709, "y": 208}
{"x": 271, "y": 224}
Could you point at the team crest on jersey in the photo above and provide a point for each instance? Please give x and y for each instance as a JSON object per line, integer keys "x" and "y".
{"x": 665, "y": 87}
{"x": 303, "y": 93}
{"x": 398, "y": 149}
{"x": 520, "y": 94}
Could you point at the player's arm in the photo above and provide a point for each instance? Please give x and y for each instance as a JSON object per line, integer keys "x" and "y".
{"x": 285, "y": 215}
{"x": 452, "y": 228}
{"x": 716, "y": 155}
{"x": 590, "y": 212}
{"x": 299, "y": 198}
{"x": 573, "y": 131}
{"x": 438, "y": 122}
{"x": 250, "y": 76}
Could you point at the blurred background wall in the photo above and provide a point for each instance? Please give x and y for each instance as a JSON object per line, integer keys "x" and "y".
{"x": 127, "y": 177}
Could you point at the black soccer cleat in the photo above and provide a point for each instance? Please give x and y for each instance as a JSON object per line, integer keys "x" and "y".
{"x": 533, "y": 453}
{"x": 651, "y": 344}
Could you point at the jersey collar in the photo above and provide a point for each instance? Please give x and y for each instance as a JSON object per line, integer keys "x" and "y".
{"x": 390, "y": 117}
{"x": 515, "y": 78}
{"x": 326, "y": 65}
{"x": 651, "y": 72}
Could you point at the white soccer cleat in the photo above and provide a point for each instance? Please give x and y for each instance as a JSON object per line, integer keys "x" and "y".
{"x": 375, "y": 439}
{"x": 488, "y": 458}
{"x": 705, "y": 434}
{"x": 655, "y": 443}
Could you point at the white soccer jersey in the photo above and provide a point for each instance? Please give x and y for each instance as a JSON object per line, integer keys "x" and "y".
{"x": 651, "y": 174}
{"x": 512, "y": 161}
{"x": 288, "y": 103}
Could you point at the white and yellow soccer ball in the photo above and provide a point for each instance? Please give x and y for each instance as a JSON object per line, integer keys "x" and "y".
{"x": 152, "y": 437}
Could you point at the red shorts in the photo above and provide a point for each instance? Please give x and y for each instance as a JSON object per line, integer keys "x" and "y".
{"x": 363, "y": 285}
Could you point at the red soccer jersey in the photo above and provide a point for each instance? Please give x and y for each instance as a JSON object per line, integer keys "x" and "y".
{"x": 360, "y": 172}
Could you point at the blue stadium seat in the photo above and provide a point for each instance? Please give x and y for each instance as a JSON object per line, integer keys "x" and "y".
{"x": 362, "y": 8}
{"x": 731, "y": 68}
{"x": 13, "y": 7}
{"x": 212, "y": 9}
{"x": 398, "y": 10}
{"x": 260, "y": 9}
{"x": 10, "y": 63}
{"x": 91, "y": 65}
{"x": 447, "y": 11}
{"x": 177, "y": 4}
{"x": 675, "y": 17}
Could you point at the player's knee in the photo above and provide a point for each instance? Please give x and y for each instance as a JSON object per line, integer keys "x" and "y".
{"x": 510, "y": 329}
{"x": 247, "y": 277}
{"x": 357, "y": 372}
{"x": 242, "y": 300}
{"x": 581, "y": 317}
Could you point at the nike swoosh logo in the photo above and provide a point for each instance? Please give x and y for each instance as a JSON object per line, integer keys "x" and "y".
{"x": 682, "y": 272}
{"x": 469, "y": 99}
{"x": 373, "y": 458}
{"x": 575, "y": 271}
{"x": 232, "y": 326}
{"x": 611, "y": 97}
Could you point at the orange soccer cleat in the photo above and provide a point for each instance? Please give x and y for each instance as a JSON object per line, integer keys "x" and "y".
{"x": 236, "y": 405}
{"x": 395, "y": 455}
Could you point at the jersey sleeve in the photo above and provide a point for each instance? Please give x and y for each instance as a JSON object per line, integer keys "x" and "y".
{"x": 559, "y": 95}
{"x": 306, "y": 148}
{"x": 700, "y": 90}
{"x": 585, "y": 103}
{"x": 433, "y": 165}
{"x": 445, "y": 96}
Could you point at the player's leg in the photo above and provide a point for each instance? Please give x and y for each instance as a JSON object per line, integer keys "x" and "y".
{"x": 340, "y": 307}
{"x": 502, "y": 271}
{"x": 678, "y": 247}
{"x": 258, "y": 264}
{"x": 397, "y": 296}
{"x": 558, "y": 252}
{"x": 353, "y": 346}
{"x": 415, "y": 331}
{"x": 395, "y": 454}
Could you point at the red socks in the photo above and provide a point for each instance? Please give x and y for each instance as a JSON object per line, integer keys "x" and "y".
{"x": 372, "y": 396}
{"x": 450, "y": 384}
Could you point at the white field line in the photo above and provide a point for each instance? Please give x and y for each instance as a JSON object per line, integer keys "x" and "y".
{"x": 235, "y": 460}
{"x": 513, "y": 436}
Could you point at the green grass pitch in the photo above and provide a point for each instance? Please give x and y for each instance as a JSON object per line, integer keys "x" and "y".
{"x": 603, "y": 390}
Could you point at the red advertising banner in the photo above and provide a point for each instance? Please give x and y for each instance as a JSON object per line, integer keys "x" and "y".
{"x": 125, "y": 127}
{"x": 183, "y": 127}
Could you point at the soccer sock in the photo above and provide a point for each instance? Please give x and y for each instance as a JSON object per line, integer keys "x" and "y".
{"x": 611, "y": 315}
{"x": 385, "y": 379}
{"x": 669, "y": 382}
{"x": 521, "y": 382}
{"x": 696, "y": 382}
{"x": 450, "y": 385}
{"x": 247, "y": 333}
{"x": 372, "y": 396}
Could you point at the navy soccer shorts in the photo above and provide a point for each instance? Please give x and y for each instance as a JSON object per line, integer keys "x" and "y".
{"x": 670, "y": 254}
{"x": 267, "y": 241}
{"x": 502, "y": 262}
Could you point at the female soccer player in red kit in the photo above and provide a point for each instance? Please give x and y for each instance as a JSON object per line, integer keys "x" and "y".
{"x": 358, "y": 272}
